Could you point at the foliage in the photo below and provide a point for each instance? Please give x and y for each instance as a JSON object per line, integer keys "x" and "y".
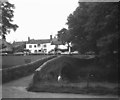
{"x": 20, "y": 48}
{"x": 7, "y": 14}
{"x": 64, "y": 36}
{"x": 3, "y": 46}
{"x": 94, "y": 27}
{"x": 72, "y": 70}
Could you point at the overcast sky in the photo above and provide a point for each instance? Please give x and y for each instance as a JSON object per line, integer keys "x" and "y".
{"x": 40, "y": 18}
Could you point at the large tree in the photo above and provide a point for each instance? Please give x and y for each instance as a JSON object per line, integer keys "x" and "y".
{"x": 94, "y": 27}
{"x": 6, "y": 22}
{"x": 64, "y": 36}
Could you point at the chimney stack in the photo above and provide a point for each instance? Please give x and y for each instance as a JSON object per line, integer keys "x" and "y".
{"x": 50, "y": 37}
{"x": 28, "y": 39}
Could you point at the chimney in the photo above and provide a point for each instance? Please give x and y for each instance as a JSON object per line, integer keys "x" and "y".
{"x": 28, "y": 39}
{"x": 50, "y": 37}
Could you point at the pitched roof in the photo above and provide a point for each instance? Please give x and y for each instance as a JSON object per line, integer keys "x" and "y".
{"x": 19, "y": 43}
{"x": 39, "y": 41}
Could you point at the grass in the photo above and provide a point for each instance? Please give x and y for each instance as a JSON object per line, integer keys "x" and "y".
{"x": 11, "y": 60}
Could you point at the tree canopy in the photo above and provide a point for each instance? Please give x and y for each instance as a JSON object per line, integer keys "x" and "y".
{"x": 64, "y": 36}
{"x": 93, "y": 26}
{"x": 6, "y": 23}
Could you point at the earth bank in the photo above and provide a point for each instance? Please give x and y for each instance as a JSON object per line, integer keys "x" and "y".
{"x": 72, "y": 70}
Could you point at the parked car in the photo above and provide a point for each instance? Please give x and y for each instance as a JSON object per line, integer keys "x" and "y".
{"x": 59, "y": 52}
{"x": 65, "y": 52}
{"x": 75, "y": 52}
{"x": 3, "y": 54}
{"x": 18, "y": 53}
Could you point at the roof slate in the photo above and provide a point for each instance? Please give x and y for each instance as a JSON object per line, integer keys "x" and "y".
{"x": 15, "y": 44}
{"x": 39, "y": 41}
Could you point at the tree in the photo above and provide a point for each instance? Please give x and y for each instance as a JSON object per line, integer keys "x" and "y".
{"x": 94, "y": 27}
{"x": 105, "y": 19}
{"x": 6, "y": 19}
{"x": 20, "y": 48}
{"x": 76, "y": 22}
{"x": 91, "y": 23}
{"x": 64, "y": 36}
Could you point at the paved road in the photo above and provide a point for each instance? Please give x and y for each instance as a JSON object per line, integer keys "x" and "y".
{"x": 16, "y": 89}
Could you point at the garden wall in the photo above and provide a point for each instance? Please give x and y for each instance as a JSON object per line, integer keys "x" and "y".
{"x": 19, "y": 71}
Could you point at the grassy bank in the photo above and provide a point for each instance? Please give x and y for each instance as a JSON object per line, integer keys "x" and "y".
{"x": 75, "y": 71}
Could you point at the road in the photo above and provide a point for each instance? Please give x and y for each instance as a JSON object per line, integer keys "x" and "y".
{"x": 17, "y": 89}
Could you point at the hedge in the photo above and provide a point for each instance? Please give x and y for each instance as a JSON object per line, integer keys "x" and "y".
{"x": 19, "y": 71}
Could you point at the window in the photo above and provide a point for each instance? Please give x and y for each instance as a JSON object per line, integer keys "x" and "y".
{"x": 30, "y": 46}
{"x": 39, "y": 50}
{"x": 35, "y": 51}
{"x": 35, "y": 46}
{"x": 45, "y": 50}
{"x": 38, "y": 45}
{"x": 44, "y": 45}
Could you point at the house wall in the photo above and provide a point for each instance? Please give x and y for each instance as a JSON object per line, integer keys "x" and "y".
{"x": 62, "y": 46}
{"x": 40, "y": 48}
{"x": 50, "y": 47}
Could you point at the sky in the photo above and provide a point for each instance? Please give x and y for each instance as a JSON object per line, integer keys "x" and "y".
{"x": 38, "y": 19}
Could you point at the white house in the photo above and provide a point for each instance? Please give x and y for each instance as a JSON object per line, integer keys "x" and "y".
{"x": 39, "y": 46}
